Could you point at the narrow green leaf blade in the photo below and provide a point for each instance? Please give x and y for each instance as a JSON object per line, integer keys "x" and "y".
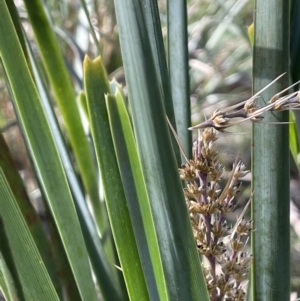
{"x": 7, "y": 287}
{"x": 33, "y": 221}
{"x": 9, "y": 278}
{"x": 34, "y": 277}
{"x": 270, "y": 156}
{"x": 179, "y": 70}
{"x": 96, "y": 85}
{"x": 154, "y": 34}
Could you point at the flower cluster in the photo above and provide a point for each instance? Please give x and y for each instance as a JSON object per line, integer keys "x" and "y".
{"x": 208, "y": 205}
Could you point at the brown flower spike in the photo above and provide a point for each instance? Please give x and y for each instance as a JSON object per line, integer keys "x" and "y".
{"x": 208, "y": 205}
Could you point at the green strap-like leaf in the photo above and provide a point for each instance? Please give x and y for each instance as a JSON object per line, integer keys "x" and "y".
{"x": 179, "y": 70}
{"x": 7, "y": 284}
{"x": 153, "y": 31}
{"x": 34, "y": 277}
{"x": 270, "y": 156}
{"x": 44, "y": 153}
{"x": 33, "y": 221}
{"x": 9, "y": 277}
{"x": 96, "y": 84}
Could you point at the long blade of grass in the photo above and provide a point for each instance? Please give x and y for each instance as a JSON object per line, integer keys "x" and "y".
{"x": 6, "y": 283}
{"x": 7, "y": 287}
{"x": 96, "y": 85}
{"x": 179, "y": 70}
{"x": 183, "y": 275}
{"x": 9, "y": 278}
{"x": 44, "y": 154}
{"x": 33, "y": 274}
{"x": 154, "y": 33}
{"x": 33, "y": 221}
{"x": 270, "y": 157}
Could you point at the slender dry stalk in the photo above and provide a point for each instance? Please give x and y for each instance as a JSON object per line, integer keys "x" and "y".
{"x": 249, "y": 110}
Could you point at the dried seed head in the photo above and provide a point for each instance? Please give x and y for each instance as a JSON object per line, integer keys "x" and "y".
{"x": 236, "y": 294}
{"x": 209, "y": 134}
{"x": 193, "y": 191}
{"x": 240, "y": 170}
{"x": 227, "y": 205}
{"x": 237, "y": 245}
{"x": 245, "y": 227}
{"x": 220, "y": 121}
{"x": 244, "y": 259}
{"x": 187, "y": 172}
{"x": 212, "y": 190}
{"x": 218, "y": 249}
{"x": 203, "y": 248}
{"x": 227, "y": 264}
{"x": 251, "y": 106}
{"x": 223, "y": 284}
{"x": 208, "y": 208}
{"x": 220, "y": 229}
{"x": 194, "y": 207}
{"x": 233, "y": 190}
{"x": 208, "y": 151}
{"x": 201, "y": 165}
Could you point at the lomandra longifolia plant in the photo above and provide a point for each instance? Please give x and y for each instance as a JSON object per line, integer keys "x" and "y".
{"x": 208, "y": 204}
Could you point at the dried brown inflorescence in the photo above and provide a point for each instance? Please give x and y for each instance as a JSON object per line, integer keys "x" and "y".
{"x": 208, "y": 205}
